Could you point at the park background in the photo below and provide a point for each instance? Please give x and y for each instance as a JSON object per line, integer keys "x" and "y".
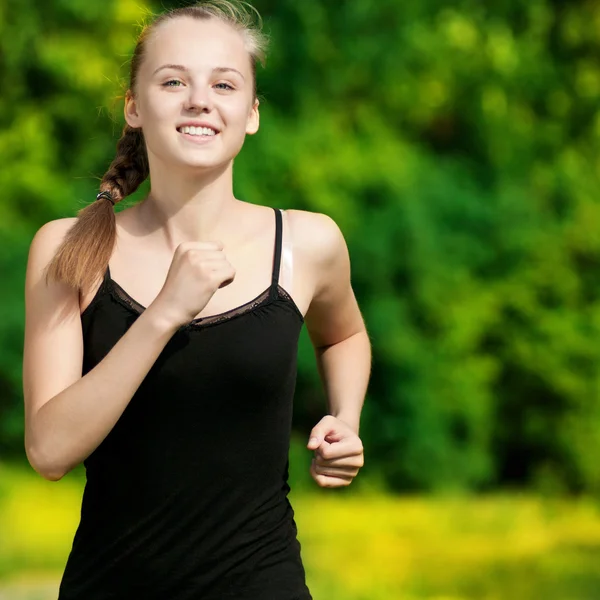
{"x": 457, "y": 147}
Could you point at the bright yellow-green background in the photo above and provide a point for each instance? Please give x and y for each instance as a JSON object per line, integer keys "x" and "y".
{"x": 367, "y": 546}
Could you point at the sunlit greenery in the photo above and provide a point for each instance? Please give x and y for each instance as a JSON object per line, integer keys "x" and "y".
{"x": 457, "y": 147}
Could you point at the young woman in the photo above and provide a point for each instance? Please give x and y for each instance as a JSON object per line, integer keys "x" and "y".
{"x": 160, "y": 343}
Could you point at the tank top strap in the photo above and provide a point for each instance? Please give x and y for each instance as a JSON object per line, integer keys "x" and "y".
{"x": 277, "y": 251}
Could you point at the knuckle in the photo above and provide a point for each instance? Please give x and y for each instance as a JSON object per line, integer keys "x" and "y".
{"x": 323, "y": 481}
{"x": 203, "y": 270}
{"x": 214, "y": 278}
{"x": 212, "y": 246}
{"x": 187, "y": 248}
{"x": 190, "y": 256}
{"x": 326, "y": 452}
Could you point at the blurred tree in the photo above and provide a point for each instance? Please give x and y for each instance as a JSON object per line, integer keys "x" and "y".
{"x": 456, "y": 148}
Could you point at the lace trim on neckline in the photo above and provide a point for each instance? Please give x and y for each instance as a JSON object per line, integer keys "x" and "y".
{"x": 264, "y": 298}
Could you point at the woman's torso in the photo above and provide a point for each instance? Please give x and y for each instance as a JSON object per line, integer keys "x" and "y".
{"x": 186, "y": 497}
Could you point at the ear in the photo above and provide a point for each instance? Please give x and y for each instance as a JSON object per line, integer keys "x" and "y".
{"x": 253, "y": 119}
{"x": 130, "y": 111}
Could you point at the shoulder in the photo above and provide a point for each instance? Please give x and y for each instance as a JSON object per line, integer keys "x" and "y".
{"x": 333, "y": 314}
{"x": 46, "y": 241}
{"x": 53, "y": 232}
{"x": 316, "y": 236}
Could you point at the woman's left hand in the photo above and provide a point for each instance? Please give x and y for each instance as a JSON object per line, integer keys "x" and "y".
{"x": 338, "y": 452}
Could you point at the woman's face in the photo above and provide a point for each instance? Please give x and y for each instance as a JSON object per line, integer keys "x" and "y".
{"x": 194, "y": 72}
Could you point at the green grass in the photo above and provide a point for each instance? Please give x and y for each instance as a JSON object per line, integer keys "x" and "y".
{"x": 356, "y": 546}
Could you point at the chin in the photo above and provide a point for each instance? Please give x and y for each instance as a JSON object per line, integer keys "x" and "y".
{"x": 205, "y": 165}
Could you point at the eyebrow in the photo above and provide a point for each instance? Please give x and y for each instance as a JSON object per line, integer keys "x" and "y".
{"x": 184, "y": 68}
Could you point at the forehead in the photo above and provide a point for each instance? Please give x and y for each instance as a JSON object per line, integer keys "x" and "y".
{"x": 196, "y": 43}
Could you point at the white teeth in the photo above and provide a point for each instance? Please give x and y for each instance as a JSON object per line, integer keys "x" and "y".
{"x": 197, "y": 130}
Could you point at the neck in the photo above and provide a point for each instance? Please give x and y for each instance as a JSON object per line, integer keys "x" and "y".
{"x": 187, "y": 207}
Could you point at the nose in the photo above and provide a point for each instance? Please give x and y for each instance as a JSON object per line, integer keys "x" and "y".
{"x": 199, "y": 98}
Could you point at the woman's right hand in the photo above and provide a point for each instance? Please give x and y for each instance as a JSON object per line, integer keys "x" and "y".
{"x": 197, "y": 271}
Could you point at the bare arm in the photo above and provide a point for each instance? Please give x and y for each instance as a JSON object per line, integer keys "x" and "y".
{"x": 66, "y": 415}
{"x": 333, "y": 320}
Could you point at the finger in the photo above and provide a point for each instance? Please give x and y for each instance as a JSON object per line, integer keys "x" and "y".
{"x": 342, "y": 472}
{"x": 218, "y": 244}
{"x": 343, "y": 461}
{"x": 207, "y": 255}
{"x": 225, "y": 282}
{"x": 212, "y": 261}
{"x": 350, "y": 446}
{"x": 325, "y": 432}
{"x": 225, "y": 275}
{"x": 328, "y": 481}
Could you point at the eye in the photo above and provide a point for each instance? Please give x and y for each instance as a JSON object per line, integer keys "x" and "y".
{"x": 227, "y": 86}
{"x": 166, "y": 83}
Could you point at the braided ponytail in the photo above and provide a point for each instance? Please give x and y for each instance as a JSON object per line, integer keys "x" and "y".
{"x": 86, "y": 250}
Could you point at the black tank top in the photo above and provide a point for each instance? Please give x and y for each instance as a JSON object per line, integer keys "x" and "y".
{"x": 186, "y": 497}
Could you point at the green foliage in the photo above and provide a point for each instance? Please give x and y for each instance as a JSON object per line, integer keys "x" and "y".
{"x": 455, "y": 146}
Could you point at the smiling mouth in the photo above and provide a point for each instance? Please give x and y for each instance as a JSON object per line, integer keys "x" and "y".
{"x": 198, "y": 131}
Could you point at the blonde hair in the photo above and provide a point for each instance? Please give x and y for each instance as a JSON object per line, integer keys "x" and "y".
{"x": 85, "y": 252}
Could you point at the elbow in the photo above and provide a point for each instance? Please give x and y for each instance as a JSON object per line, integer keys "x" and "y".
{"x": 52, "y": 475}
{"x": 48, "y": 469}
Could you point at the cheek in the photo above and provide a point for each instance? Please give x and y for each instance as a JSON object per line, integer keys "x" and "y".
{"x": 157, "y": 117}
{"x": 234, "y": 109}
{"x": 166, "y": 110}
{"x": 236, "y": 121}
{"x": 160, "y": 118}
